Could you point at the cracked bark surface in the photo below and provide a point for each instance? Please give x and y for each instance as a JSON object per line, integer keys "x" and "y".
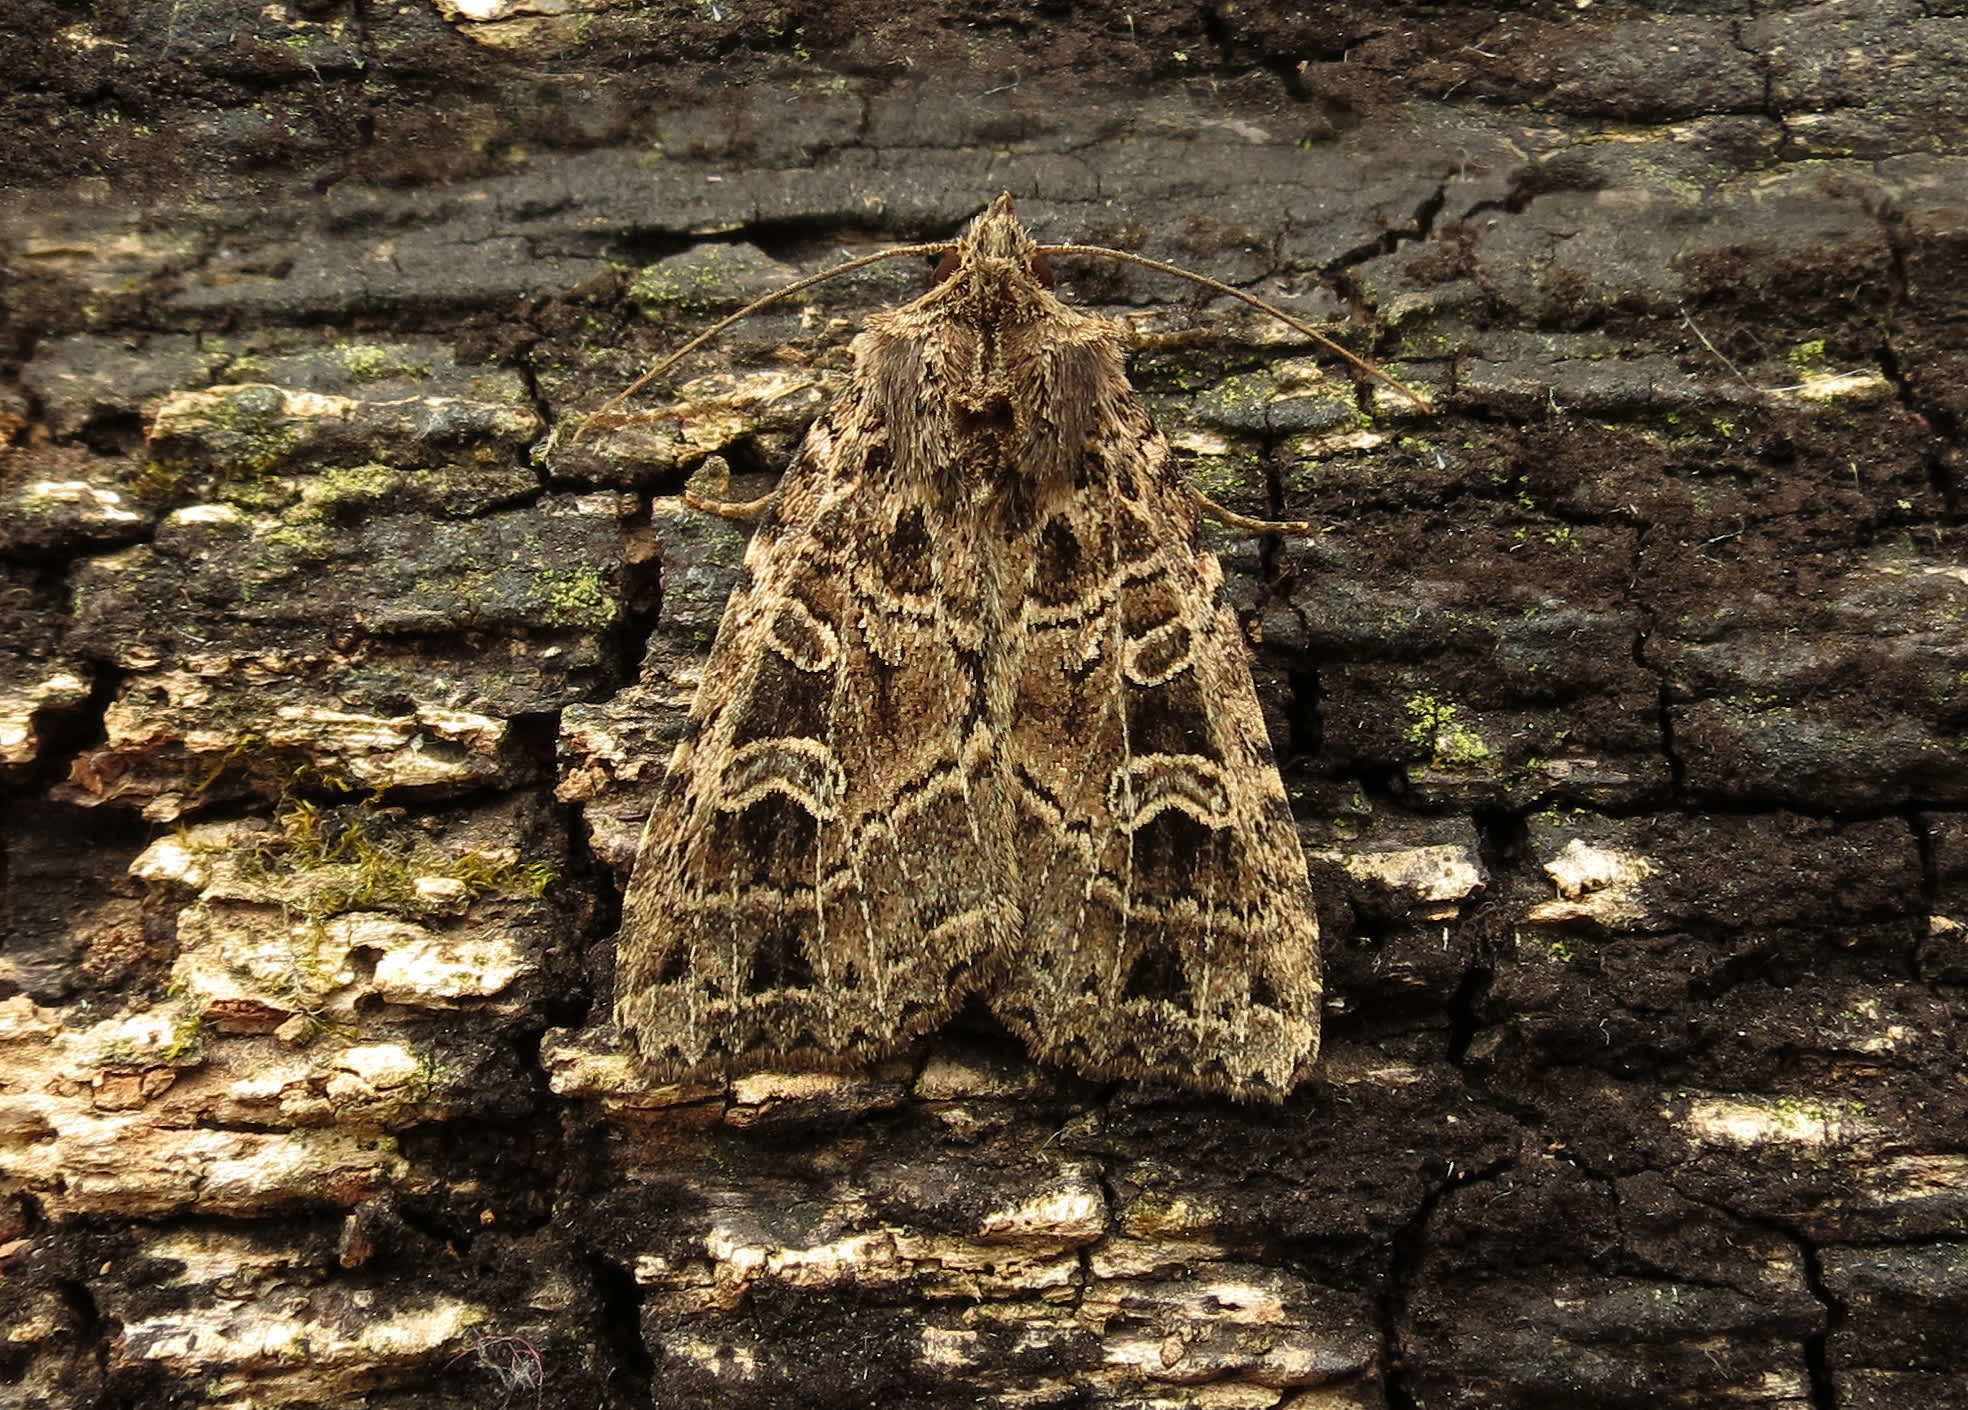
{"x": 1621, "y": 704}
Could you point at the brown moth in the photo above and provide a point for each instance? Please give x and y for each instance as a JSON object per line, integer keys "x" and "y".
{"x": 978, "y": 723}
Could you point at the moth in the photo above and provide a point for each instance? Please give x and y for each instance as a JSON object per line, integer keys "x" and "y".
{"x": 978, "y": 725}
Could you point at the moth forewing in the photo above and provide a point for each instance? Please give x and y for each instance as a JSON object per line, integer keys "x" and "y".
{"x": 780, "y": 910}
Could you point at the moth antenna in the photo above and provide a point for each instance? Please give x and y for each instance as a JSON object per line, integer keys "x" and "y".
{"x": 1125, "y": 257}
{"x": 797, "y": 286}
{"x": 1231, "y": 519}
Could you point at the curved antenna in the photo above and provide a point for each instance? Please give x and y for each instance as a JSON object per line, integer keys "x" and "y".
{"x": 941, "y": 247}
{"x": 1125, "y": 257}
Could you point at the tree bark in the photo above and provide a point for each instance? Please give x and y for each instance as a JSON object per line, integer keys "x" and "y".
{"x": 1620, "y": 703}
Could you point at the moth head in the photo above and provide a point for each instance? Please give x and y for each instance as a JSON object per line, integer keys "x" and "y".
{"x": 995, "y": 246}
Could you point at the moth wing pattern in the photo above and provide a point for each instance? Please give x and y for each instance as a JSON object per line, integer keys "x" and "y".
{"x": 1168, "y": 925}
{"x": 979, "y": 722}
{"x": 824, "y": 865}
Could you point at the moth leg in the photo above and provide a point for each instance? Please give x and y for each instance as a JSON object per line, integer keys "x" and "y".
{"x": 750, "y": 509}
{"x": 1231, "y": 519}
{"x": 1179, "y": 338}
{"x": 708, "y": 487}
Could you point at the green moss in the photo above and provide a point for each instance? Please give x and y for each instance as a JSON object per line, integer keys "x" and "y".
{"x": 1220, "y": 477}
{"x": 336, "y": 486}
{"x": 308, "y": 540}
{"x": 372, "y": 362}
{"x": 161, "y": 480}
{"x": 1434, "y": 729}
{"x": 251, "y": 429}
{"x": 358, "y": 859}
{"x": 483, "y": 875}
{"x": 243, "y": 746}
{"x": 309, "y": 774}
{"x": 576, "y": 598}
{"x": 183, "y": 1046}
{"x": 300, "y": 989}
{"x": 1233, "y": 392}
{"x": 704, "y": 280}
{"x": 254, "y": 491}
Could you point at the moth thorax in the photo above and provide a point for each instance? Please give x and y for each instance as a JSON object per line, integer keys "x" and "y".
{"x": 998, "y": 290}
